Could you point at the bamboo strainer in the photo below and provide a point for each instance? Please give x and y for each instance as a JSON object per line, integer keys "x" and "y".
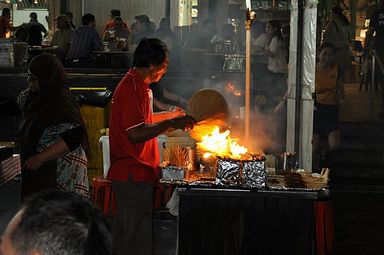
{"x": 209, "y": 108}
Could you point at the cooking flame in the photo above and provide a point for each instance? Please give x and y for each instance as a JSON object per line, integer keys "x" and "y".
{"x": 220, "y": 144}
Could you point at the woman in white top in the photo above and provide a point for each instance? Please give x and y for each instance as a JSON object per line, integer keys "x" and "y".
{"x": 277, "y": 62}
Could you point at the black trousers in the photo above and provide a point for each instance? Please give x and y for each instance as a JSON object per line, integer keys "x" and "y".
{"x": 132, "y": 231}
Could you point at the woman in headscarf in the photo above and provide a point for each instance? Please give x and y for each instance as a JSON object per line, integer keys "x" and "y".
{"x": 53, "y": 139}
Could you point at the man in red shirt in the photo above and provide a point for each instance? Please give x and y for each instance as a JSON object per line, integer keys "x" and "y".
{"x": 5, "y": 25}
{"x": 133, "y": 147}
{"x": 110, "y": 23}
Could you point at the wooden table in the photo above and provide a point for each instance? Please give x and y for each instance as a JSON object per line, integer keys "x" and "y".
{"x": 109, "y": 55}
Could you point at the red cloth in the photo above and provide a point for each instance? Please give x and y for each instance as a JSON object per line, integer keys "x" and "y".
{"x": 131, "y": 107}
{"x": 5, "y": 26}
{"x": 111, "y": 23}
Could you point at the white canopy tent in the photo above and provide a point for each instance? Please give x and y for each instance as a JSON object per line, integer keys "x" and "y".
{"x": 302, "y": 67}
{"x": 301, "y": 79}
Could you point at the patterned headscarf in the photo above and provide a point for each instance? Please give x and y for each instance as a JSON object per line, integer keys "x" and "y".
{"x": 52, "y": 104}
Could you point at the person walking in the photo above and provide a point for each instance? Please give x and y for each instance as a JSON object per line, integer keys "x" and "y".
{"x": 328, "y": 92}
{"x": 337, "y": 32}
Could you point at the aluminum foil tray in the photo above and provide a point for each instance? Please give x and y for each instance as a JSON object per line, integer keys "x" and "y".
{"x": 253, "y": 174}
{"x": 172, "y": 173}
{"x": 228, "y": 172}
{"x": 241, "y": 173}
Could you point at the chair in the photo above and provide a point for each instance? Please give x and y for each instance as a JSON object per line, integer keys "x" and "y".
{"x": 103, "y": 195}
{"x": 324, "y": 227}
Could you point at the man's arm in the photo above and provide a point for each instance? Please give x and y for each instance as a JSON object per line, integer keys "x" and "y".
{"x": 166, "y": 115}
{"x": 54, "y": 151}
{"x": 45, "y": 31}
{"x": 146, "y": 132}
{"x": 96, "y": 40}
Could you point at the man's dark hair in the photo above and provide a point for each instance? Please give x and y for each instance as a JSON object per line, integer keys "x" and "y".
{"x": 150, "y": 51}
{"x": 33, "y": 15}
{"x": 5, "y": 11}
{"x": 59, "y": 222}
{"x": 87, "y": 19}
{"x": 115, "y": 13}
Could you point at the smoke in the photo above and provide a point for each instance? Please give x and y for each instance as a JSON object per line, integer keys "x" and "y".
{"x": 268, "y": 129}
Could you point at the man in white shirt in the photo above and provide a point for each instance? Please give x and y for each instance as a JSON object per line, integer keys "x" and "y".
{"x": 62, "y": 38}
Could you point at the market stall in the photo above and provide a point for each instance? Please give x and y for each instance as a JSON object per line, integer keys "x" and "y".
{"x": 232, "y": 208}
{"x": 235, "y": 199}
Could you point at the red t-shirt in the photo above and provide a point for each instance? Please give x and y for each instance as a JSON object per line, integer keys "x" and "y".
{"x": 111, "y": 23}
{"x": 131, "y": 107}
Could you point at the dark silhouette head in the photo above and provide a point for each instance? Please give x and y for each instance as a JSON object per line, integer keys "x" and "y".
{"x": 58, "y": 222}
{"x": 33, "y": 15}
{"x": 115, "y": 13}
{"x": 88, "y": 19}
{"x": 6, "y": 11}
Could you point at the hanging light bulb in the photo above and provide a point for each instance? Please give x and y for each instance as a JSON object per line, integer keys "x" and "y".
{"x": 35, "y": 1}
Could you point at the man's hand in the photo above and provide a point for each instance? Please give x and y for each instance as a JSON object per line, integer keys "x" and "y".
{"x": 33, "y": 162}
{"x": 183, "y": 122}
{"x": 177, "y": 111}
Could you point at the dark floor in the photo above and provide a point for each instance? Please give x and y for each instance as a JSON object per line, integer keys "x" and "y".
{"x": 359, "y": 223}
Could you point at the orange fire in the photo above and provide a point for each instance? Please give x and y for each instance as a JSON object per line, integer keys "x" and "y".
{"x": 220, "y": 144}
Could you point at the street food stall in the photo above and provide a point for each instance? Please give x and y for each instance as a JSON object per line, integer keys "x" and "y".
{"x": 232, "y": 203}
{"x": 234, "y": 199}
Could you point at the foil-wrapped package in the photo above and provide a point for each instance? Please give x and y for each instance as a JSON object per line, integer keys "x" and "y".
{"x": 228, "y": 172}
{"x": 253, "y": 174}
